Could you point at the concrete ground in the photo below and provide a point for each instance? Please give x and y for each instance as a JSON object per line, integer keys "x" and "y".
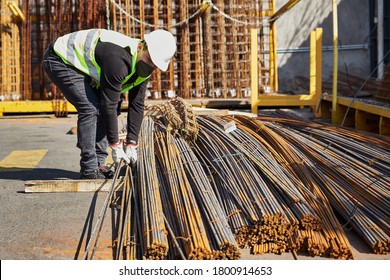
{"x": 54, "y": 226}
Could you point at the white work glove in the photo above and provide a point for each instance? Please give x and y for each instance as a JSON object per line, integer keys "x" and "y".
{"x": 131, "y": 152}
{"x": 118, "y": 153}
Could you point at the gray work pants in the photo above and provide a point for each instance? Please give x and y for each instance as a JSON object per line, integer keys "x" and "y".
{"x": 76, "y": 87}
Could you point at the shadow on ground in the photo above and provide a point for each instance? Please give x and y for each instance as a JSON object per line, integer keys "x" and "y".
{"x": 37, "y": 174}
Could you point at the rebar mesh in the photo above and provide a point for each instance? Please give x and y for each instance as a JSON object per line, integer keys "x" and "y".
{"x": 212, "y": 60}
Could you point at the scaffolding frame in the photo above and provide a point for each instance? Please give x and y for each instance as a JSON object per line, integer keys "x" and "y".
{"x": 10, "y": 51}
{"x": 213, "y": 41}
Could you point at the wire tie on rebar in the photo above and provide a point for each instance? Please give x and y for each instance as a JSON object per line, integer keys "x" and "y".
{"x": 154, "y": 229}
{"x": 234, "y": 213}
{"x": 352, "y": 215}
{"x": 374, "y": 159}
{"x": 191, "y": 161}
{"x": 184, "y": 238}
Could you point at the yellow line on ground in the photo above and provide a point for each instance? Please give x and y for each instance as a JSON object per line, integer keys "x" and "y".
{"x": 22, "y": 160}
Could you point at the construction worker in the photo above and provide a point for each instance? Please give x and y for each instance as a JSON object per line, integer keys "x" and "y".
{"x": 93, "y": 68}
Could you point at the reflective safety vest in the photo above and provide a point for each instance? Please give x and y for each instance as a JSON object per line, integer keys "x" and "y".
{"x": 78, "y": 49}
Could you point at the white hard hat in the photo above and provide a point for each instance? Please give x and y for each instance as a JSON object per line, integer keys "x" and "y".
{"x": 161, "y": 47}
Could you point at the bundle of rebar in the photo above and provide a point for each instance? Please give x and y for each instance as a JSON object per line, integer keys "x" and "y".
{"x": 168, "y": 173}
{"x": 293, "y": 161}
{"x": 256, "y": 214}
{"x": 184, "y": 215}
{"x": 281, "y": 181}
{"x": 154, "y": 233}
{"x": 220, "y": 235}
{"x": 272, "y": 185}
{"x": 353, "y": 172}
{"x": 177, "y": 116}
{"x": 126, "y": 244}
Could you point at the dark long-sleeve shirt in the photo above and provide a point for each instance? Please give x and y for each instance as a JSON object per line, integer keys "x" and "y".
{"x": 116, "y": 63}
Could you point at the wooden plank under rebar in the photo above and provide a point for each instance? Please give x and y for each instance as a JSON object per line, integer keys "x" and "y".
{"x": 55, "y": 186}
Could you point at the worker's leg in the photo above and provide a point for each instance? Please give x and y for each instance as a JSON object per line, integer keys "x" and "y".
{"x": 76, "y": 88}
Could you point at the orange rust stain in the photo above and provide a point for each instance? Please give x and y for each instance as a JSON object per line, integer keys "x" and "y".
{"x": 66, "y": 248}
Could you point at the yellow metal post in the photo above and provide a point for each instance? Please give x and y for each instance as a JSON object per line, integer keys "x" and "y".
{"x": 319, "y": 60}
{"x": 272, "y": 38}
{"x": 315, "y": 65}
{"x": 273, "y": 64}
{"x": 313, "y": 68}
{"x": 318, "y": 74}
{"x": 254, "y": 72}
{"x": 335, "y": 60}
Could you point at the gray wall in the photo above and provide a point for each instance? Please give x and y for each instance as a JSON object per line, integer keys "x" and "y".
{"x": 293, "y": 39}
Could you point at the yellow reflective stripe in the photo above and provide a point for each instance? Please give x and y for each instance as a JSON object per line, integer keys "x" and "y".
{"x": 22, "y": 160}
{"x": 133, "y": 62}
{"x": 81, "y": 60}
{"x": 138, "y": 81}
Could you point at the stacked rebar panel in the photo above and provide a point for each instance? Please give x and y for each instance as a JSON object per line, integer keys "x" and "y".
{"x": 45, "y": 21}
{"x": 213, "y": 44}
{"x": 26, "y": 81}
{"x": 212, "y": 60}
{"x": 229, "y": 53}
{"x": 10, "y": 54}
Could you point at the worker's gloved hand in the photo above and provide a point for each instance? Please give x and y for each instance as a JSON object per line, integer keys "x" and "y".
{"x": 118, "y": 153}
{"x": 131, "y": 148}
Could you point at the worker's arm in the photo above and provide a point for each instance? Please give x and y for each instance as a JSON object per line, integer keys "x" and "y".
{"x": 135, "y": 112}
{"x": 115, "y": 63}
